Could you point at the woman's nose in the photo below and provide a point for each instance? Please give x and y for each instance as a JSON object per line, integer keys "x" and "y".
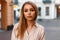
{"x": 29, "y": 12}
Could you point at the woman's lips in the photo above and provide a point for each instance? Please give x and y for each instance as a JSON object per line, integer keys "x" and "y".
{"x": 29, "y": 16}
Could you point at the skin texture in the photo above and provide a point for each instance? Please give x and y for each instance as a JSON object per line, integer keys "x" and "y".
{"x": 29, "y": 12}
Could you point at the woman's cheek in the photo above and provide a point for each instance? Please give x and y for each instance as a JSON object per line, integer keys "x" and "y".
{"x": 33, "y": 14}
{"x": 25, "y": 15}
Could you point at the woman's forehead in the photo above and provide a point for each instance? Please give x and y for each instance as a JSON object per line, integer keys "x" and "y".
{"x": 28, "y": 6}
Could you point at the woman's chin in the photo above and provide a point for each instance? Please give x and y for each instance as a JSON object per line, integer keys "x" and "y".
{"x": 30, "y": 19}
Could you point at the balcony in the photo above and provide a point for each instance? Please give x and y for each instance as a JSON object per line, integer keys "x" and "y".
{"x": 46, "y": 1}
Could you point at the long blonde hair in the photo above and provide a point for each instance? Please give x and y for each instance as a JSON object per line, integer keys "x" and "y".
{"x": 22, "y": 23}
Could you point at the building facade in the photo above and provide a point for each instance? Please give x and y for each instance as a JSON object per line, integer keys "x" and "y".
{"x": 48, "y": 9}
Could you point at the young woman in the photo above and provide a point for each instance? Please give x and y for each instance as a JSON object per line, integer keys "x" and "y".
{"x": 28, "y": 28}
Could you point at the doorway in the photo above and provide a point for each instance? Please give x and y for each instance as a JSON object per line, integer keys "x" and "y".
{"x": 58, "y": 11}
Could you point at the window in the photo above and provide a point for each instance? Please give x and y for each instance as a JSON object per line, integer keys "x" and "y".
{"x": 14, "y": 14}
{"x": 47, "y": 11}
{"x": 15, "y": 1}
{"x": 39, "y": 9}
{"x": 46, "y": 1}
{"x": 18, "y": 10}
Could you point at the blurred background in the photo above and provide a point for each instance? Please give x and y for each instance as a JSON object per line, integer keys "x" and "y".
{"x": 48, "y": 16}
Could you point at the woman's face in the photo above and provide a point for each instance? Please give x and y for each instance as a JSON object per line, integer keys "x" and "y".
{"x": 29, "y": 12}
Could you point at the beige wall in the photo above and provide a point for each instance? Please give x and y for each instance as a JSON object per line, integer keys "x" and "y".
{"x": 7, "y": 14}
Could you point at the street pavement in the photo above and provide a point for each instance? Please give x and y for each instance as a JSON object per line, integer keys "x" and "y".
{"x": 52, "y": 30}
{"x": 5, "y": 35}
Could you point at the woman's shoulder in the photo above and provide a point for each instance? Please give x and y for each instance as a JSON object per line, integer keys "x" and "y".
{"x": 15, "y": 29}
{"x": 39, "y": 26}
{"x": 15, "y": 25}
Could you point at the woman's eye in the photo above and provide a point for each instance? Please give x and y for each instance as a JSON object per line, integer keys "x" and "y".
{"x": 32, "y": 10}
{"x": 25, "y": 10}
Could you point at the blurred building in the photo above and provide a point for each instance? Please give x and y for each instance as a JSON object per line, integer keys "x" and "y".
{"x": 6, "y": 14}
{"x": 16, "y": 9}
{"x": 48, "y": 9}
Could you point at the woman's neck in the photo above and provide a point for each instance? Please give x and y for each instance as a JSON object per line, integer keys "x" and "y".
{"x": 30, "y": 23}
